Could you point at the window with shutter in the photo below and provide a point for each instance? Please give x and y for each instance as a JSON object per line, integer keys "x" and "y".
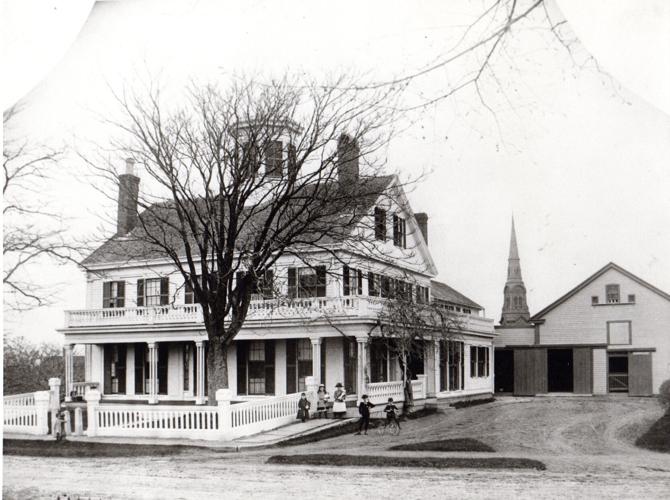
{"x": 345, "y": 280}
{"x": 292, "y": 283}
{"x": 269, "y": 366}
{"x": 242, "y": 360}
{"x": 292, "y": 161}
{"x": 140, "y": 293}
{"x": 372, "y": 288}
{"x": 113, "y": 294}
{"x": 274, "y": 160}
{"x": 291, "y": 366}
{"x": 399, "y": 232}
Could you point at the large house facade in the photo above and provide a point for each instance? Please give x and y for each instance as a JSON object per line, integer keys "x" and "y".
{"x": 608, "y": 335}
{"x": 316, "y": 316}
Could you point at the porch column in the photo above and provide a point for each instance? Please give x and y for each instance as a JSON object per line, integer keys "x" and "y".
{"x": 69, "y": 371}
{"x": 361, "y": 373}
{"x": 200, "y": 376}
{"x": 316, "y": 359}
{"x": 438, "y": 376}
{"x": 153, "y": 373}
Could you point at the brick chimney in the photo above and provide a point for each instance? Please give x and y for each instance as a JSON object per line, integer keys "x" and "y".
{"x": 348, "y": 153}
{"x": 129, "y": 187}
{"x": 422, "y": 221}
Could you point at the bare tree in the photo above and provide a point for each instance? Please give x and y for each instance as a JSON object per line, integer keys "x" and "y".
{"x": 241, "y": 176}
{"x": 407, "y": 325}
{"x": 32, "y": 232}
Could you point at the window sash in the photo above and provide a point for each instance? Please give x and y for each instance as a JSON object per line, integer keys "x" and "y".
{"x": 274, "y": 159}
{"x": 113, "y": 294}
{"x": 380, "y": 223}
{"x": 612, "y": 293}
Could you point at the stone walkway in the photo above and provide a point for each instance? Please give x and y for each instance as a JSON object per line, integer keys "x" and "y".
{"x": 261, "y": 440}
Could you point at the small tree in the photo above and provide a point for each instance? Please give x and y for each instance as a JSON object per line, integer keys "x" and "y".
{"x": 241, "y": 176}
{"x": 406, "y": 326}
{"x": 32, "y": 233}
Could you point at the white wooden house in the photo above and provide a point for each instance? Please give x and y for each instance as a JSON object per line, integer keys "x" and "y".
{"x": 145, "y": 341}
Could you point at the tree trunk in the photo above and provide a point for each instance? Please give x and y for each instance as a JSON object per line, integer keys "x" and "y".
{"x": 217, "y": 368}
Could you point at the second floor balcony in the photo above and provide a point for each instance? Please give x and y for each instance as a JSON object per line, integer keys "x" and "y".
{"x": 303, "y": 309}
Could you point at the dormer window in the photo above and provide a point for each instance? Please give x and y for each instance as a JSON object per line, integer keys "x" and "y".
{"x": 399, "y": 232}
{"x": 274, "y": 159}
{"x": 612, "y": 294}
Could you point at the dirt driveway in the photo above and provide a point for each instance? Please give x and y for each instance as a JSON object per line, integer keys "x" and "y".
{"x": 586, "y": 444}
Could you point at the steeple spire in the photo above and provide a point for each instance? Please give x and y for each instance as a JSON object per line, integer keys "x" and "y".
{"x": 515, "y": 308}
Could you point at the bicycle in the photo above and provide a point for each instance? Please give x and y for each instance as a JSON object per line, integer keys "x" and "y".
{"x": 391, "y": 427}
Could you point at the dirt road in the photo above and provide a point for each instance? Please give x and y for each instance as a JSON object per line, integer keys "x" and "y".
{"x": 586, "y": 444}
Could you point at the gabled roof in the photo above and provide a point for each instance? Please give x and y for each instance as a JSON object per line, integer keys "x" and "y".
{"x": 591, "y": 279}
{"x": 135, "y": 247}
{"x": 442, "y": 291}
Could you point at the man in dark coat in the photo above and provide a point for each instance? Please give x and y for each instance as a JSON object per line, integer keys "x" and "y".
{"x": 364, "y": 410}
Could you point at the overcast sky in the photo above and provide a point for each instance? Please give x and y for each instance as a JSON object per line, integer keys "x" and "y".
{"x": 579, "y": 156}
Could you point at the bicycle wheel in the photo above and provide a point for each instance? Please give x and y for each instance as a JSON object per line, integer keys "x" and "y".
{"x": 393, "y": 428}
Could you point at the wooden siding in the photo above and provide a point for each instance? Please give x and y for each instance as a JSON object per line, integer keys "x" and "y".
{"x": 530, "y": 372}
{"x": 639, "y": 374}
{"x": 582, "y": 370}
{"x": 599, "y": 371}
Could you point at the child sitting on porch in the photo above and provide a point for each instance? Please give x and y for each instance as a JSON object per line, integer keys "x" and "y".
{"x": 303, "y": 408}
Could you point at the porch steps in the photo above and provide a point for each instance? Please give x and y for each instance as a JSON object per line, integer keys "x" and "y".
{"x": 291, "y": 431}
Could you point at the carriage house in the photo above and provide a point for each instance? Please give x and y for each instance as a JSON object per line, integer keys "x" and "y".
{"x": 313, "y": 316}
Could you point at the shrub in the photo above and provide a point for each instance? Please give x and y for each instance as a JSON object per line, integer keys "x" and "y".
{"x": 664, "y": 393}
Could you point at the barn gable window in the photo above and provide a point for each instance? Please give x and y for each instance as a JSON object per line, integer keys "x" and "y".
{"x": 612, "y": 294}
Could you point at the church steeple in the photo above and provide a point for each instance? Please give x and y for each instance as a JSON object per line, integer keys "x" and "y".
{"x": 515, "y": 308}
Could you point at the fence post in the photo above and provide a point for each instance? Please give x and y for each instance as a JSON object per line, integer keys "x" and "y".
{"x": 92, "y": 398}
{"x": 423, "y": 379}
{"x": 54, "y": 390}
{"x": 42, "y": 409}
{"x": 223, "y": 398}
{"x": 311, "y": 386}
{"x": 78, "y": 422}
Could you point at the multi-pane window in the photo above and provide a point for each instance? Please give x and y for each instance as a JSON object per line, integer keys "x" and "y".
{"x": 451, "y": 365}
{"x": 479, "y": 361}
{"x": 153, "y": 292}
{"x": 249, "y": 159}
{"x": 631, "y": 298}
{"x": 305, "y": 282}
{"x": 189, "y": 294}
{"x": 380, "y": 223}
{"x": 352, "y": 281}
{"x": 263, "y": 288}
{"x": 256, "y": 367}
{"x": 298, "y": 364}
{"x": 373, "y": 284}
{"x": 273, "y": 159}
{"x": 113, "y": 294}
{"x": 187, "y": 367}
{"x": 292, "y": 160}
{"x": 115, "y": 369}
{"x": 422, "y": 294}
{"x": 612, "y": 293}
{"x": 399, "y": 232}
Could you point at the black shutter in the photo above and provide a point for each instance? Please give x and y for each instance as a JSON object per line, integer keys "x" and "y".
{"x": 107, "y": 363}
{"x": 121, "y": 369}
{"x": 121, "y": 291}
{"x": 140, "y": 293}
{"x": 359, "y": 273}
{"x": 292, "y": 288}
{"x": 371, "y": 284}
{"x": 269, "y": 366}
{"x": 291, "y": 366}
{"x": 242, "y": 357}
{"x": 165, "y": 291}
{"x": 106, "y": 293}
{"x": 292, "y": 160}
{"x": 323, "y": 361}
{"x": 320, "y": 281}
{"x": 395, "y": 230}
{"x": 345, "y": 280}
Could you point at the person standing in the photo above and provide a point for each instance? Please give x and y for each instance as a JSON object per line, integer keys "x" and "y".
{"x": 339, "y": 405}
{"x": 364, "y": 410}
{"x": 322, "y": 398}
{"x": 303, "y": 407}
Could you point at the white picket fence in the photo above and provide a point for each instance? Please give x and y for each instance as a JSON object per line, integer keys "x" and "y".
{"x": 26, "y": 413}
{"x": 224, "y": 422}
{"x": 379, "y": 392}
{"x": 252, "y": 417}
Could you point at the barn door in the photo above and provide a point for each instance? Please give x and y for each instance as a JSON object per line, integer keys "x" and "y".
{"x": 582, "y": 370}
{"x": 639, "y": 374}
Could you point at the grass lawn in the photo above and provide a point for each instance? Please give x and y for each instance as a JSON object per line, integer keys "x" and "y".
{"x": 657, "y": 438}
{"x": 424, "y": 462}
{"x": 463, "y": 444}
{"x": 79, "y": 449}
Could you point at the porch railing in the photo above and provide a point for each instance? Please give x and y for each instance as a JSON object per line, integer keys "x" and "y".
{"x": 305, "y": 308}
{"x": 379, "y": 392}
{"x": 27, "y": 399}
{"x": 262, "y": 415}
{"x": 79, "y": 388}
